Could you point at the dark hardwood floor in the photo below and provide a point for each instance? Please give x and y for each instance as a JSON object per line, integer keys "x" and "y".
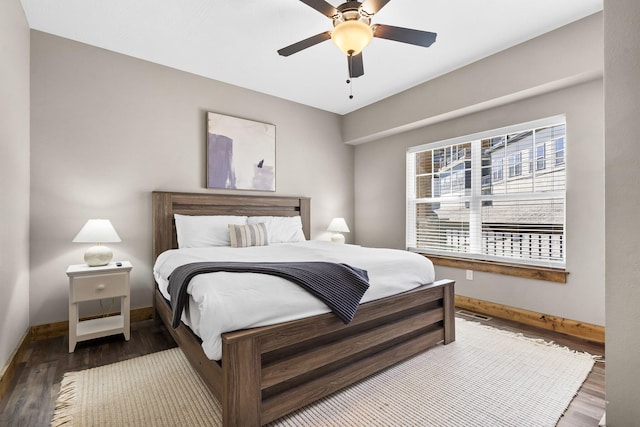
{"x": 31, "y": 397}
{"x": 30, "y": 400}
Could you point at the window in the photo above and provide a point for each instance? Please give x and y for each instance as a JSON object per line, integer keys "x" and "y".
{"x": 559, "y": 151}
{"x": 540, "y": 157}
{"x": 515, "y": 165}
{"x": 459, "y": 202}
{"x": 496, "y": 171}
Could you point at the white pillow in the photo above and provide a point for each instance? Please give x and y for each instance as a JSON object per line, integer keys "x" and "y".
{"x": 203, "y": 231}
{"x": 281, "y": 229}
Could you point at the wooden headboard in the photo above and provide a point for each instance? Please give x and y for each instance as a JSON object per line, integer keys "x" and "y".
{"x": 165, "y": 204}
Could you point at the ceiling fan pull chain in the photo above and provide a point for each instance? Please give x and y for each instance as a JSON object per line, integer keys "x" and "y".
{"x": 350, "y": 83}
{"x": 349, "y": 80}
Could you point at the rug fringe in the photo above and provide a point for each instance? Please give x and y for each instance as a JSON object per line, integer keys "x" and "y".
{"x": 63, "y": 415}
{"x": 541, "y": 341}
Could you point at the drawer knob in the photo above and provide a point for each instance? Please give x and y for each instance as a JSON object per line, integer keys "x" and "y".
{"x": 100, "y": 287}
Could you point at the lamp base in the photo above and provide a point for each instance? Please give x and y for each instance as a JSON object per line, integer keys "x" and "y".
{"x": 337, "y": 238}
{"x": 98, "y": 255}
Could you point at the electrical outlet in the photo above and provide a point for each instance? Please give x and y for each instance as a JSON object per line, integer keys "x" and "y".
{"x": 469, "y": 274}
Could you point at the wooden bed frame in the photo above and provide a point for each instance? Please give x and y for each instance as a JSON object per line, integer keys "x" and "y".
{"x": 269, "y": 371}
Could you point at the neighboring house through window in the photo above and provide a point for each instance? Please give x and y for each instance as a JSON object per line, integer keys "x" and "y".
{"x": 495, "y": 195}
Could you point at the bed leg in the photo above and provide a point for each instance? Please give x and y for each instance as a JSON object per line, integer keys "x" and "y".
{"x": 242, "y": 398}
{"x": 449, "y": 313}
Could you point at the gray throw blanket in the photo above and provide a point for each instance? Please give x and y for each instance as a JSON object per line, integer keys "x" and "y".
{"x": 339, "y": 286}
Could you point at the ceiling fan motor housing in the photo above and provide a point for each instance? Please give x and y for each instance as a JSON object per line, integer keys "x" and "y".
{"x": 351, "y": 11}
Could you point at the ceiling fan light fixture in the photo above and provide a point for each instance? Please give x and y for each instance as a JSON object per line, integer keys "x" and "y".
{"x": 352, "y": 36}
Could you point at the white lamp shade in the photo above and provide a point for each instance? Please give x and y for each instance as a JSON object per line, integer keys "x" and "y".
{"x": 97, "y": 231}
{"x": 338, "y": 225}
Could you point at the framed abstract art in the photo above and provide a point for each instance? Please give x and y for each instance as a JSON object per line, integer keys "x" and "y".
{"x": 241, "y": 154}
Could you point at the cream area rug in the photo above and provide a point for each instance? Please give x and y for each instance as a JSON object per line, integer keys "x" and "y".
{"x": 487, "y": 377}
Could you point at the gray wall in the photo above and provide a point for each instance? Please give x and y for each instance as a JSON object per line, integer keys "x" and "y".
{"x": 622, "y": 135}
{"x": 380, "y": 167}
{"x": 14, "y": 177}
{"x": 568, "y": 55}
{"x": 108, "y": 129}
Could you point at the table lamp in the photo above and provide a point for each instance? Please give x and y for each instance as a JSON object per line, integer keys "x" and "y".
{"x": 338, "y": 226}
{"x": 97, "y": 231}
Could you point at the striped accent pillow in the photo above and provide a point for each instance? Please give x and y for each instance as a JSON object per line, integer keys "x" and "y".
{"x": 243, "y": 236}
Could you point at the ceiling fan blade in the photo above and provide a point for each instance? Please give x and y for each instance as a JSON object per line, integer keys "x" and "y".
{"x": 322, "y": 7}
{"x": 303, "y": 44}
{"x": 373, "y": 6}
{"x": 404, "y": 35}
{"x": 356, "y": 66}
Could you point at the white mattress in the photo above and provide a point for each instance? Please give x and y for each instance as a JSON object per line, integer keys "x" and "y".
{"x": 223, "y": 302}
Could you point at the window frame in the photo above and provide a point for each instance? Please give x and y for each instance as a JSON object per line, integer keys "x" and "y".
{"x": 507, "y": 163}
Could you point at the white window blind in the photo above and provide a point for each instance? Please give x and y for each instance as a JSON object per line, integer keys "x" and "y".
{"x": 496, "y": 195}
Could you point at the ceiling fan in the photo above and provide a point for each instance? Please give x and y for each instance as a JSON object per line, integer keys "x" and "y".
{"x": 352, "y": 31}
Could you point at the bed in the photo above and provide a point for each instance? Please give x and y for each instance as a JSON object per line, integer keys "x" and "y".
{"x": 266, "y": 372}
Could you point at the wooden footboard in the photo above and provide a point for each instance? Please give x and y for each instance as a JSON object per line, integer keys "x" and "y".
{"x": 270, "y": 371}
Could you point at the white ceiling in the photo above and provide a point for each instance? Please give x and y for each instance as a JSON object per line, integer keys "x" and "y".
{"x": 236, "y": 41}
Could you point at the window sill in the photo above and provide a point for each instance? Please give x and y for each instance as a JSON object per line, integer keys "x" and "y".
{"x": 519, "y": 270}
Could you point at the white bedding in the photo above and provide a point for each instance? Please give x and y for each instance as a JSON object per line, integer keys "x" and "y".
{"x": 223, "y": 302}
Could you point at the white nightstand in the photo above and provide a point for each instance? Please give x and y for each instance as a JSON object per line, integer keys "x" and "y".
{"x": 95, "y": 283}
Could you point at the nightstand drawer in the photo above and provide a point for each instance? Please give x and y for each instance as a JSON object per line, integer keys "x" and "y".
{"x": 97, "y": 287}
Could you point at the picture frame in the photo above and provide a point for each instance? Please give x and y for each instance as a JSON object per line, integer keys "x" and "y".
{"x": 241, "y": 153}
